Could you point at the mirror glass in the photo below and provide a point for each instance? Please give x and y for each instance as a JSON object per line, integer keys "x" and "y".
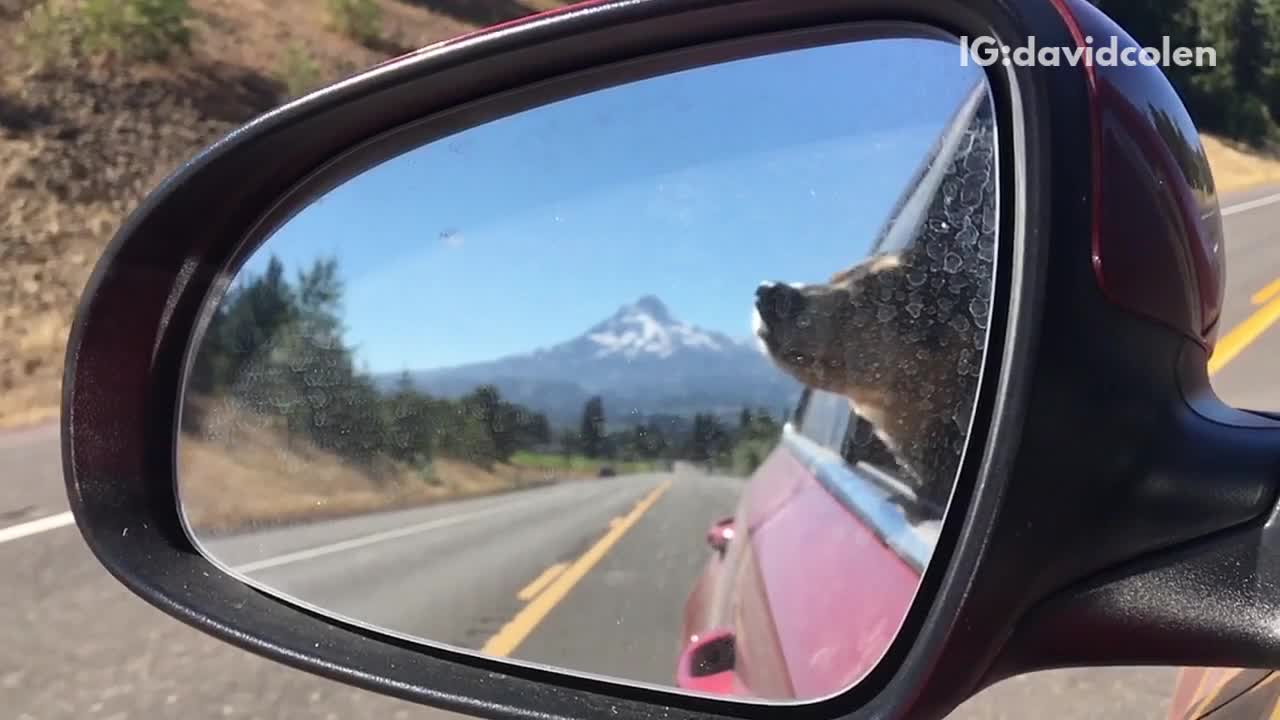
{"x": 667, "y": 382}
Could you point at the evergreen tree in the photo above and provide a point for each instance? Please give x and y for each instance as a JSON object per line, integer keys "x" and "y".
{"x": 591, "y": 433}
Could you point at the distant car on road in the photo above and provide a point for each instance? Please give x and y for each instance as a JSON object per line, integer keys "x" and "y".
{"x": 606, "y": 471}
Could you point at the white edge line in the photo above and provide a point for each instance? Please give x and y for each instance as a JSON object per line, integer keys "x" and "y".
{"x": 363, "y": 540}
{"x": 21, "y": 530}
{"x": 1251, "y": 205}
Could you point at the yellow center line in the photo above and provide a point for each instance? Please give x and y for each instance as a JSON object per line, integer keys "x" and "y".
{"x": 1266, "y": 293}
{"x": 1270, "y": 683}
{"x": 513, "y": 633}
{"x": 1234, "y": 342}
{"x": 528, "y": 591}
{"x": 1212, "y": 696}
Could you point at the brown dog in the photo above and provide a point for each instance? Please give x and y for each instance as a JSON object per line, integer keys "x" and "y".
{"x": 902, "y": 335}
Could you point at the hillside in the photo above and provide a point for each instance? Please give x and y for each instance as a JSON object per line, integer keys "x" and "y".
{"x": 83, "y": 140}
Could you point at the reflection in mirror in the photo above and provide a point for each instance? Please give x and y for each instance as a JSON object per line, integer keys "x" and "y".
{"x": 667, "y": 382}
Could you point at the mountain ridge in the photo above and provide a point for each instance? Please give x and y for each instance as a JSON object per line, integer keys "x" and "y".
{"x": 642, "y": 360}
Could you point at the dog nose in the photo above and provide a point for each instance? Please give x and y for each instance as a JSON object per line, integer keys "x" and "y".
{"x": 778, "y": 301}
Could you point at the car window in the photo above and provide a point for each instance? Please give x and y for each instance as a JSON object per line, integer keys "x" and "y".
{"x": 828, "y": 420}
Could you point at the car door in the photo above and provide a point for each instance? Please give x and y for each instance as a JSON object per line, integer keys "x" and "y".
{"x": 825, "y": 500}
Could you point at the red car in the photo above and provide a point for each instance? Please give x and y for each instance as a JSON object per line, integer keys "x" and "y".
{"x": 828, "y": 542}
{"x": 809, "y": 581}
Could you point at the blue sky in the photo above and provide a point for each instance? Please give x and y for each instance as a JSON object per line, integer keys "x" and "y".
{"x": 695, "y": 187}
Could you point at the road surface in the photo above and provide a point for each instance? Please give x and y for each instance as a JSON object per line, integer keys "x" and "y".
{"x": 463, "y": 573}
{"x": 74, "y": 644}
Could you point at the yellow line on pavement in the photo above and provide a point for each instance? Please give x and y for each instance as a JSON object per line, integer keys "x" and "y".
{"x": 1234, "y": 342}
{"x": 513, "y": 633}
{"x": 528, "y": 591}
{"x": 1267, "y": 292}
{"x": 1212, "y": 696}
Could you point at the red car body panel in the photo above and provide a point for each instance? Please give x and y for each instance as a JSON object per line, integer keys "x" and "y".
{"x": 1156, "y": 213}
{"x": 837, "y": 592}
{"x": 811, "y": 594}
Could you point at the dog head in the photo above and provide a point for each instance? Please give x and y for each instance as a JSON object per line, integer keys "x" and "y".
{"x": 825, "y": 335}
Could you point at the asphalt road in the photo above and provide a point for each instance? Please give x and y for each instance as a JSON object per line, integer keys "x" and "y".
{"x": 459, "y": 573}
{"x": 74, "y": 644}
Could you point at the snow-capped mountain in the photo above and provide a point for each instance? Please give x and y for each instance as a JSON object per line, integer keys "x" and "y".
{"x": 645, "y": 327}
{"x": 641, "y": 360}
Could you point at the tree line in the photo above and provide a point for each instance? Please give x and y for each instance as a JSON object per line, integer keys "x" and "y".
{"x": 274, "y": 347}
{"x": 706, "y": 438}
{"x": 1240, "y": 96}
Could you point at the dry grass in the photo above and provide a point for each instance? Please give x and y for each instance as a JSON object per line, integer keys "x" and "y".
{"x": 245, "y": 484}
{"x": 242, "y": 470}
{"x": 1236, "y": 167}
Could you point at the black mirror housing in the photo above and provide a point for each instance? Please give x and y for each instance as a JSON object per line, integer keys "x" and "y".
{"x": 1110, "y": 510}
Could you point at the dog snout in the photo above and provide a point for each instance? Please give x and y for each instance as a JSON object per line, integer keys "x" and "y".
{"x": 778, "y": 302}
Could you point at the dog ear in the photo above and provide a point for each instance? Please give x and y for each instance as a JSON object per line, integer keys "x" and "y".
{"x": 870, "y": 266}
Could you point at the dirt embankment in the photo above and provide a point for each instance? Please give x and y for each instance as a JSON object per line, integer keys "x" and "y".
{"x": 262, "y": 480}
{"x": 1237, "y": 167}
{"x": 83, "y": 140}
{"x": 238, "y": 469}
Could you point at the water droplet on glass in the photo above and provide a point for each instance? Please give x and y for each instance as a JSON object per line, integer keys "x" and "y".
{"x": 979, "y": 308}
{"x": 935, "y": 249}
{"x": 989, "y": 219}
{"x": 987, "y": 250}
{"x": 967, "y": 235}
{"x": 952, "y": 263}
{"x": 977, "y": 160}
{"x": 886, "y": 313}
{"x": 960, "y": 323}
{"x": 914, "y": 309}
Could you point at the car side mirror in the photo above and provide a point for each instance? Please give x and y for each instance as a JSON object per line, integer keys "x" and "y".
{"x": 719, "y": 535}
{"x": 429, "y": 381}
